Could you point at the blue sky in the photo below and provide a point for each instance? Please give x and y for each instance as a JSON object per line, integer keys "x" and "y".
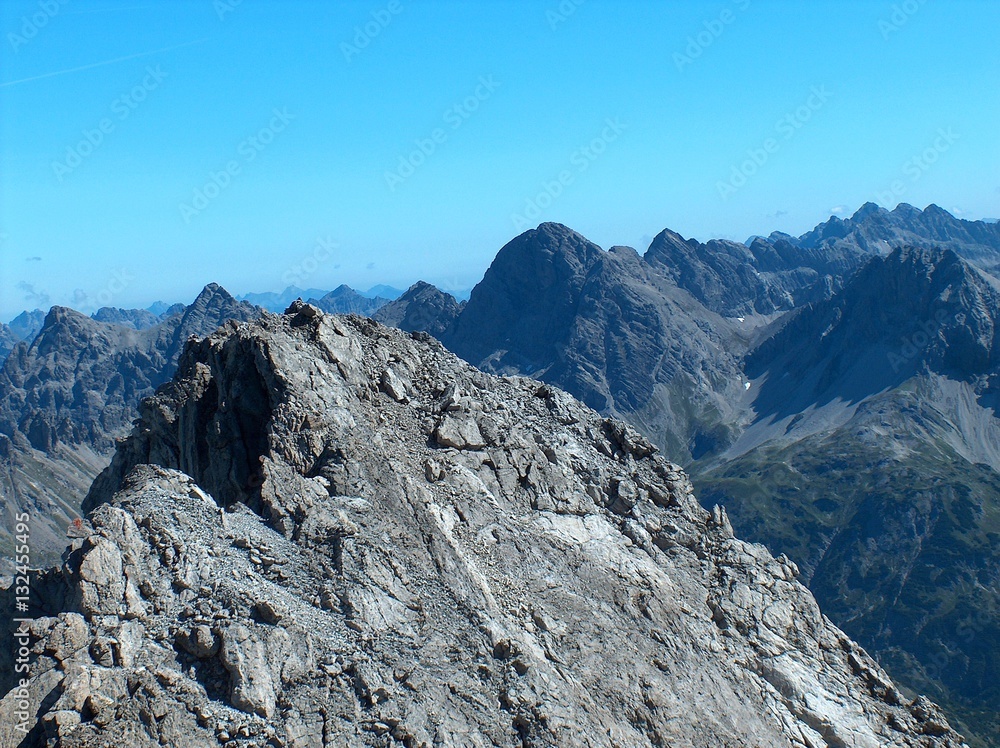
{"x": 148, "y": 148}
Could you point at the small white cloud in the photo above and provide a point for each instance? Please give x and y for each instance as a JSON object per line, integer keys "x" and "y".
{"x": 34, "y": 295}
{"x": 838, "y": 210}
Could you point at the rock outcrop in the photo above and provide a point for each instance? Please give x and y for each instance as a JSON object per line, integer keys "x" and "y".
{"x": 326, "y": 532}
{"x": 8, "y": 339}
{"x": 66, "y": 396}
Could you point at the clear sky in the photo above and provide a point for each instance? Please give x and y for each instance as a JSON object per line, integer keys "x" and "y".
{"x": 148, "y": 148}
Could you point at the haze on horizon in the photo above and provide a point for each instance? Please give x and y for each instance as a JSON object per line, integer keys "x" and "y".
{"x": 230, "y": 140}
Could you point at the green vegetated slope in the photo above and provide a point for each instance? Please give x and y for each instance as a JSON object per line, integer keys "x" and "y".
{"x": 902, "y": 551}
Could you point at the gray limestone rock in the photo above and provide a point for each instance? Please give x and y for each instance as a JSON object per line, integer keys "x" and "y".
{"x": 284, "y": 554}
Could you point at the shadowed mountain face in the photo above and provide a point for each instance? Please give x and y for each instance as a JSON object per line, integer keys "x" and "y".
{"x": 422, "y": 308}
{"x": 735, "y": 280}
{"x": 327, "y": 530}
{"x": 611, "y": 329}
{"x": 7, "y": 341}
{"x": 916, "y": 309}
{"x": 522, "y": 311}
{"x": 137, "y": 319}
{"x": 874, "y": 462}
{"x": 68, "y": 395}
{"x": 80, "y": 381}
{"x": 23, "y": 327}
{"x": 27, "y": 324}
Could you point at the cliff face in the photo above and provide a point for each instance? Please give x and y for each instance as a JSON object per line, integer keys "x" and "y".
{"x": 326, "y": 532}
{"x": 69, "y": 393}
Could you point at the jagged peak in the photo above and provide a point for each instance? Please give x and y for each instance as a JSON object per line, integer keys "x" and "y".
{"x": 213, "y": 291}
{"x": 866, "y": 210}
{"x": 343, "y": 288}
{"x": 907, "y": 209}
{"x": 58, "y": 314}
{"x": 937, "y": 210}
{"x": 548, "y": 239}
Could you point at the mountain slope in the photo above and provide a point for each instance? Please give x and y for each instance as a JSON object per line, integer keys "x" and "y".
{"x": 374, "y": 543}
{"x": 735, "y": 280}
{"x": 8, "y": 339}
{"x": 874, "y": 462}
{"x": 66, "y": 398}
{"x": 422, "y": 308}
{"x": 610, "y": 329}
{"x": 138, "y": 319}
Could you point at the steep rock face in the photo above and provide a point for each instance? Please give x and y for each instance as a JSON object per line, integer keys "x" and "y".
{"x": 67, "y": 396}
{"x": 372, "y": 543}
{"x": 611, "y": 329}
{"x": 874, "y": 462}
{"x": 81, "y": 380}
{"x": 523, "y": 309}
{"x": 423, "y": 308}
{"x": 27, "y": 324}
{"x": 916, "y": 308}
{"x": 7, "y": 342}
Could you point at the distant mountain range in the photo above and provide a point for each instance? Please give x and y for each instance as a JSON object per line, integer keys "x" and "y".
{"x": 24, "y": 326}
{"x": 837, "y": 391}
{"x": 278, "y": 302}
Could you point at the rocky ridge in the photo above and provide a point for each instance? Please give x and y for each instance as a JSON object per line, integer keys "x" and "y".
{"x": 66, "y": 396}
{"x": 326, "y": 532}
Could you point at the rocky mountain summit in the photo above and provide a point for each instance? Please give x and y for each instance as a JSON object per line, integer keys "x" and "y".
{"x": 23, "y": 327}
{"x": 80, "y": 380}
{"x": 612, "y": 329}
{"x": 846, "y": 417}
{"x": 327, "y": 532}
{"x": 422, "y": 308}
{"x": 27, "y": 324}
